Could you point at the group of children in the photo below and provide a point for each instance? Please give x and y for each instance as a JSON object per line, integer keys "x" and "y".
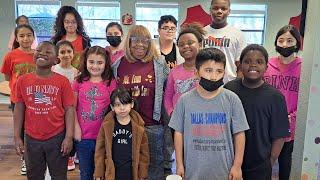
{"x": 233, "y": 131}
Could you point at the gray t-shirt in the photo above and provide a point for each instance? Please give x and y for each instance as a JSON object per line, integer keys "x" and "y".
{"x": 207, "y": 126}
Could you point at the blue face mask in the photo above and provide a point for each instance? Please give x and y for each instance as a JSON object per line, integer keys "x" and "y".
{"x": 209, "y": 85}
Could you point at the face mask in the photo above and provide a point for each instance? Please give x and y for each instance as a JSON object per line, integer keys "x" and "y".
{"x": 286, "y": 52}
{"x": 209, "y": 85}
{"x": 114, "y": 40}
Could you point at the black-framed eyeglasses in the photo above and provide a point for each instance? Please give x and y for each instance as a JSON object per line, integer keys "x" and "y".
{"x": 167, "y": 28}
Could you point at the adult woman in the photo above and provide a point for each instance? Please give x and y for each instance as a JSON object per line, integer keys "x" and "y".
{"x": 114, "y": 36}
{"x": 143, "y": 72}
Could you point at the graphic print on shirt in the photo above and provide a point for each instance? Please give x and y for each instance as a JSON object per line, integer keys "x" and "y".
{"x": 23, "y": 68}
{"x": 212, "y": 41}
{"x": 122, "y": 136}
{"x": 186, "y": 85}
{"x": 207, "y": 129}
{"x": 90, "y": 96}
{"x": 288, "y": 83}
{"x": 42, "y": 95}
{"x": 137, "y": 90}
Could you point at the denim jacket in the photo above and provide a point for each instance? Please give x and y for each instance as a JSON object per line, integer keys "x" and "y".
{"x": 161, "y": 72}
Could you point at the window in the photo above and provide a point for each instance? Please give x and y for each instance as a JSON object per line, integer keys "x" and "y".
{"x": 148, "y": 14}
{"x": 41, "y": 16}
{"x": 251, "y": 20}
{"x": 96, "y": 16}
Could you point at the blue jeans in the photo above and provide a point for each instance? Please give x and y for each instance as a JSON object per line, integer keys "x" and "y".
{"x": 85, "y": 151}
{"x": 156, "y": 140}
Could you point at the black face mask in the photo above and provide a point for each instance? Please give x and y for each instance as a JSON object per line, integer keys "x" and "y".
{"x": 209, "y": 85}
{"x": 114, "y": 40}
{"x": 286, "y": 52}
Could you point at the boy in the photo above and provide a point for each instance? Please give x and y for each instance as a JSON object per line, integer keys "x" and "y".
{"x": 45, "y": 101}
{"x": 209, "y": 124}
{"x": 227, "y": 38}
{"x": 266, "y": 113}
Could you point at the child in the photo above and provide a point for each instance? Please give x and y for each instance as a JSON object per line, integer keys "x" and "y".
{"x": 45, "y": 106}
{"x": 209, "y": 124}
{"x": 227, "y": 38}
{"x": 286, "y": 66}
{"x": 122, "y": 141}
{"x": 21, "y": 20}
{"x": 92, "y": 89}
{"x": 65, "y": 55}
{"x": 114, "y": 37}
{"x": 165, "y": 44}
{"x": 17, "y": 62}
{"x": 181, "y": 78}
{"x": 266, "y": 114}
{"x": 69, "y": 26}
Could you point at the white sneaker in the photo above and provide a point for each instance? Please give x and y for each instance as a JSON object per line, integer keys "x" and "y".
{"x": 23, "y": 170}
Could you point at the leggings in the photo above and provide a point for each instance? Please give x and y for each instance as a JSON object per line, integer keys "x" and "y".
{"x": 285, "y": 160}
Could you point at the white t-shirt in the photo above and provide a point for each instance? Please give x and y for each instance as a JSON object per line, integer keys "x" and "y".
{"x": 70, "y": 73}
{"x": 231, "y": 41}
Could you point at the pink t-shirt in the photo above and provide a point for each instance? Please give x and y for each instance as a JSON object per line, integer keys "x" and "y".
{"x": 179, "y": 81}
{"x": 286, "y": 78}
{"x": 92, "y": 105}
{"x": 115, "y": 56}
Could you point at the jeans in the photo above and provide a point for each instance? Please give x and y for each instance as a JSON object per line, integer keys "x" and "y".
{"x": 155, "y": 135}
{"x": 85, "y": 151}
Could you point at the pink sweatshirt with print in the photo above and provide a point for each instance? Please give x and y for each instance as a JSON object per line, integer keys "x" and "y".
{"x": 179, "y": 81}
{"x": 286, "y": 78}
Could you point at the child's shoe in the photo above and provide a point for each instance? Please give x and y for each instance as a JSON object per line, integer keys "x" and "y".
{"x": 23, "y": 170}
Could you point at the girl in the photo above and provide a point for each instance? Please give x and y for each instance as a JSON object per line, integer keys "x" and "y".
{"x": 286, "y": 65}
{"x": 22, "y": 20}
{"x": 114, "y": 36}
{"x": 127, "y": 153}
{"x": 69, "y": 26}
{"x": 18, "y": 62}
{"x": 65, "y": 55}
{"x": 92, "y": 89}
{"x": 143, "y": 72}
{"x": 181, "y": 78}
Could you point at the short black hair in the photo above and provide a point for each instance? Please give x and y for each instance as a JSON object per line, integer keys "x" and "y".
{"x": 64, "y": 43}
{"x": 165, "y": 19}
{"x": 210, "y": 54}
{"x": 293, "y": 31}
{"x": 215, "y": 0}
{"x": 50, "y": 43}
{"x": 123, "y": 95}
{"x": 114, "y": 24}
{"x": 254, "y": 47}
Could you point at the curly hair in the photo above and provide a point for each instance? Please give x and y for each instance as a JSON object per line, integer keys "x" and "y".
{"x": 60, "y": 31}
{"x": 107, "y": 74}
{"x": 193, "y": 28}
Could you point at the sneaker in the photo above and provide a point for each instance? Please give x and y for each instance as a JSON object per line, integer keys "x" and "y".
{"x": 76, "y": 159}
{"x": 71, "y": 165}
{"x": 23, "y": 170}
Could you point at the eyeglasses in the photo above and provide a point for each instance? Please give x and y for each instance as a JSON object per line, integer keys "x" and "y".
{"x": 142, "y": 40}
{"x": 167, "y": 28}
{"x": 70, "y": 22}
{"x": 188, "y": 42}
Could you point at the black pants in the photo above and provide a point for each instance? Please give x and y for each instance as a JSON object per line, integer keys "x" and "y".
{"x": 285, "y": 161}
{"x": 40, "y": 154}
{"x": 262, "y": 172}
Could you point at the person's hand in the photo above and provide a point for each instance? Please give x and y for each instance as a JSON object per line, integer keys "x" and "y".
{"x": 77, "y": 133}
{"x": 289, "y": 118}
{"x": 66, "y": 146}
{"x": 180, "y": 170}
{"x": 19, "y": 146}
{"x": 235, "y": 173}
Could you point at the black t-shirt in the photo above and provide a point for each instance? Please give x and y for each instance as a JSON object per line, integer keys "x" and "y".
{"x": 122, "y": 151}
{"x": 171, "y": 58}
{"x": 267, "y": 117}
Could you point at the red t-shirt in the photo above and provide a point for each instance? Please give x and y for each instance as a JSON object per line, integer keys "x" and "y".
{"x": 15, "y": 64}
{"x": 78, "y": 48}
{"x": 139, "y": 78}
{"x": 45, "y": 100}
